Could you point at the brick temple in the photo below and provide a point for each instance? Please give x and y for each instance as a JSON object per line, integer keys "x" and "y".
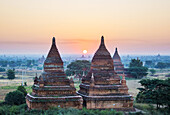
{"x": 118, "y": 66}
{"x": 102, "y": 88}
{"x": 53, "y": 88}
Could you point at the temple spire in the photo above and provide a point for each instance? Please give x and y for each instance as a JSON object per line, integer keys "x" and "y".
{"x": 53, "y": 41}
{"x": 53, "y": 58}
{"x": 102, "y": 40}
{"x": 116, "y": 55}
{"x": 102, "y": 55}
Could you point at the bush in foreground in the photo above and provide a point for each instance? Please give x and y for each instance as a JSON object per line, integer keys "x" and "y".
{"x": 149, "y": 109}
{"x": 15, "y": 98}
{"x": 22, "y": 110}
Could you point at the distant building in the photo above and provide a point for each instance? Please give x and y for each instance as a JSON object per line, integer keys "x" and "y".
{"x": 41, "y": 60}
{"x": 82, "y": 56}
{"x": 158, "y": 57}
{"x": 118, "y": 66}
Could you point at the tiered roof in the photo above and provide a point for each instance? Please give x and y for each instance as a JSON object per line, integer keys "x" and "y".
{"x": 102, "y": 87}
{"x": 102, "y": 66}
{"x": 53, "y": 62}
{"x": 53, "y": 88}
{"x": 102, "y": 59}
{"x": 116, "y": 55}
{"x": 118, "y": 66}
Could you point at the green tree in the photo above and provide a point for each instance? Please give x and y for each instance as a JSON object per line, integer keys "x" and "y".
{"x": 11, "y": 74}
{"x": 152, "y": 71}
{"x": 136, "y": 63}
{"x": 3, "y": 63}
{"x": 78, "y": 67}
{"x": 22, "y": 89}
{"x": 136, "y": 69}
{"x": 29, "y": 62}
{"x": 149, "y": 64}
{"x": 154, "y": 91}
{"x": 15, "y": 98}
{"x": 161, "y": 65}
{"x": 2, "y": 69}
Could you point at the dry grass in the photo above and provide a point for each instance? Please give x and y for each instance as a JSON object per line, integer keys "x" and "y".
{"x": 4, "y": 92}
{"x": 7, "y": 86}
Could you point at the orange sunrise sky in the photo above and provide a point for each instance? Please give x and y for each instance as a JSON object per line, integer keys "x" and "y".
{"x": 134, "y": 26}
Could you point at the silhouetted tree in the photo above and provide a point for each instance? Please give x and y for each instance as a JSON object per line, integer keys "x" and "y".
{"x": 11, "y": 74}
{"x": 78, "y": 67}
{"x": 161, "y": 65}
{"x": 2, "y": 69}
{"x": 152, "y": 71}
{"x": 136, "y": 69}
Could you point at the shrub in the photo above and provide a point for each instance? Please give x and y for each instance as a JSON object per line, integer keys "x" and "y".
{"x": 15, "y": 98}
{"x": 152, "y": 71}
{"x": 14, "y": 110}
{"x": 4, "y": 110}
{"x": 2, "y": 77}
{"x": 22, "y": 89}
{"x": 22, "y": 110}
{"x": 25, "y": 83}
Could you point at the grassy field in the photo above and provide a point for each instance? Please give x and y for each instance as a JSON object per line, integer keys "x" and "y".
{"x": 11, "y": 85}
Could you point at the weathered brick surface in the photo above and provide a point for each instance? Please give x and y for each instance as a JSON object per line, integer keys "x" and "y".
{"x": 102, "y": 88}
{"x": 118, "y": 66}
{"x": 53, "y": 88}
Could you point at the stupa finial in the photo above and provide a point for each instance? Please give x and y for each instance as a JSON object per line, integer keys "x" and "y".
{"x": 102, "y": 40}
{"x": 116, "y": 49}
{"x": 53, "y": 41}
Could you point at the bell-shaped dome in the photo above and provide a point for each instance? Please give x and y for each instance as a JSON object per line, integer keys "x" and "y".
{"x": 102, "y": 59}
{"x": 53, "y": 62}
{"x": 116, "y": 55}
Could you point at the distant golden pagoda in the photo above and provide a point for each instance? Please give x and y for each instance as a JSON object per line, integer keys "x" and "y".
{"x": 118, "y": 66}
{"x": 102, "y": 88}
{"x": 53, "y": 88}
